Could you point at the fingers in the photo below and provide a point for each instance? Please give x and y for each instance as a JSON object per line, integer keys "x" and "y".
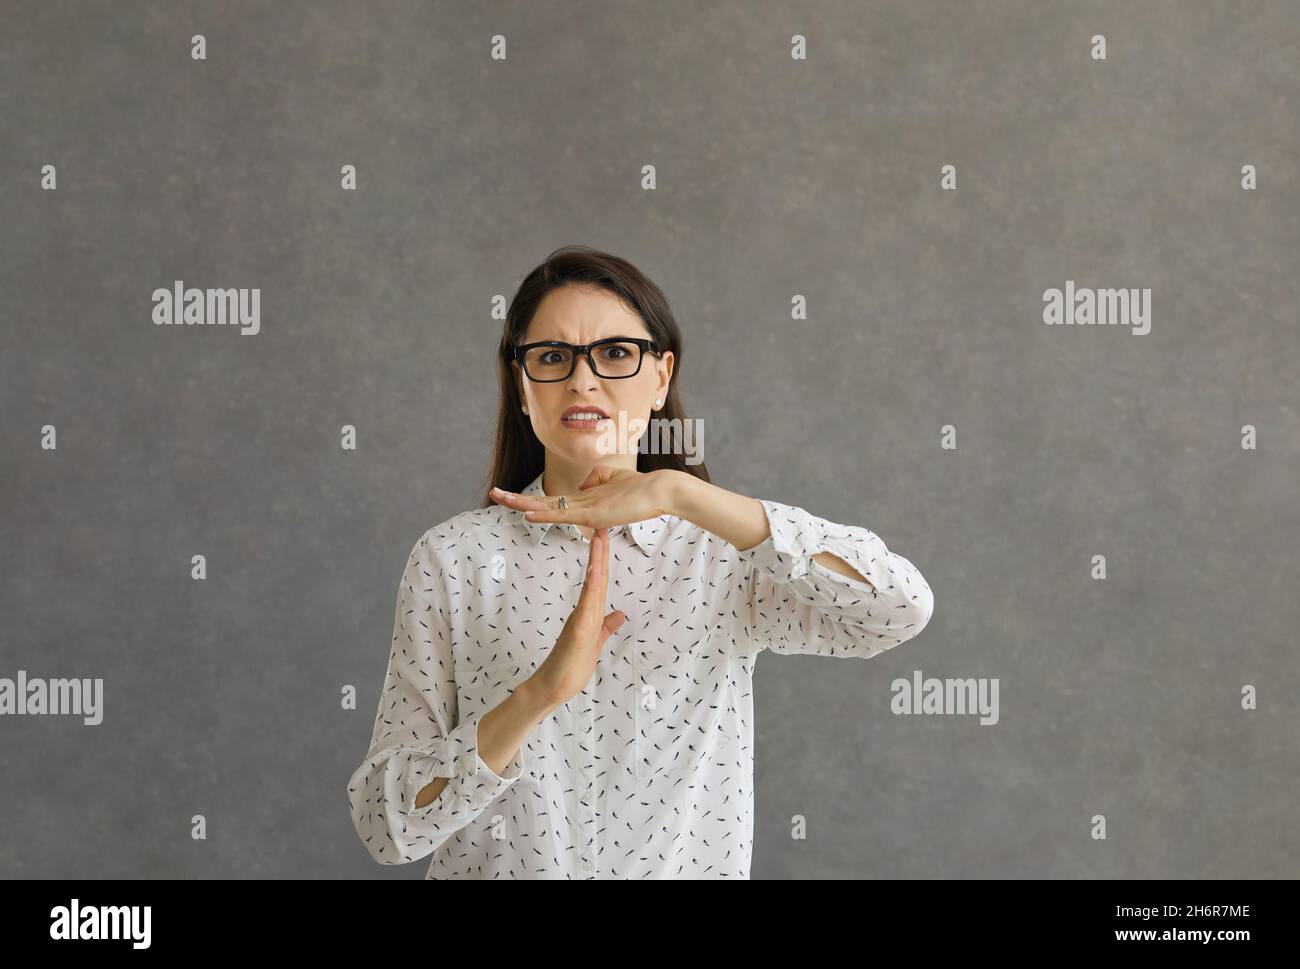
{"x": 531, "y": 505}
{"x": 548, "y": 510}
{"x": 512, "y": 500}
{"x": 596, "y": 585}
{"x": 542, "y": 503}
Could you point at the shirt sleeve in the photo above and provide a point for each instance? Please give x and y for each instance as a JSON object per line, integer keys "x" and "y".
{"x": 418, "y": 735}
{"x": 796, "y": 605}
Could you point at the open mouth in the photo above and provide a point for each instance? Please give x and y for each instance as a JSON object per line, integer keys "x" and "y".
{"x": 584, "y": 417}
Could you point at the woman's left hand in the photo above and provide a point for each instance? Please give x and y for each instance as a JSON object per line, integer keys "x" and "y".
{"x": 606, "y": 498}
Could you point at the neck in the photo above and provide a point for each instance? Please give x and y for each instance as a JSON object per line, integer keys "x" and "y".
{"x": 562, "y": 477}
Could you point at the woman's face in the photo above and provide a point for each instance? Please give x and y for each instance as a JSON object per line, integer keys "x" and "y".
{"x": 580, "y": 315}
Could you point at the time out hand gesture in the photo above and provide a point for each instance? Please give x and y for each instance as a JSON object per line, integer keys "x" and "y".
{"x": 606, "y": 498}
{"x": 572, "y": 660}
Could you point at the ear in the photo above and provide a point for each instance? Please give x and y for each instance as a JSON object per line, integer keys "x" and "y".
{"x": 666, "y": 377}
{"x": 518, "y": 375}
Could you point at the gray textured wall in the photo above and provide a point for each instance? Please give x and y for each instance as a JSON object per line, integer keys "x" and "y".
{"x": 776, "y": 177}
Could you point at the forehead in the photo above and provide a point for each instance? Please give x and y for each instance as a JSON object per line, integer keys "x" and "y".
{"x": 582, "y": 315}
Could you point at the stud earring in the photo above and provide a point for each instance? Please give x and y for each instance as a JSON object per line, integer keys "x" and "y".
{"x": 525, "y": 410}
{"x": 658, "y": 402}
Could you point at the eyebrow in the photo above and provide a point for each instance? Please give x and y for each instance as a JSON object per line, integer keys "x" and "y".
{"x": 574, "y": 343}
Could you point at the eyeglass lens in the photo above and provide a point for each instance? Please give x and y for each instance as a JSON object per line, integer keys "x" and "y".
{"x": 610, "y": 359}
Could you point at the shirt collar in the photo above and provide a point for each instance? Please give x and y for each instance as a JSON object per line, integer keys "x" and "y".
{"x": 644, "y": 533}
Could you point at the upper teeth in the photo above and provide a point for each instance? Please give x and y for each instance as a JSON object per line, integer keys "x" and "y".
{"x": 585, "y": 416}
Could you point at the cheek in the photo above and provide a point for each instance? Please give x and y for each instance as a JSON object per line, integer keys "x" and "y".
{"x": 546, "y": 403}
{"x": 634, "y": 400}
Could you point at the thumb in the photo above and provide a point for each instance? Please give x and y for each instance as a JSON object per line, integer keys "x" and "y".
{"x": 594, "y": 477}
{"x": 612, "y": 624}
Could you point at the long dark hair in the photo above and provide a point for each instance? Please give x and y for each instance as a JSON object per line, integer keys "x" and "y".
{"x": 519, "y": 456}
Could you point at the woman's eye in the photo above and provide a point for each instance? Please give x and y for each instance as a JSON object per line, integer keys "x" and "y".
{"x": 615, "y": 353}
{"x": 552, "y": 356}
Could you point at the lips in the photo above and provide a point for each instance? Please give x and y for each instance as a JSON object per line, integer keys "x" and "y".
{"x": 569, "y": 412}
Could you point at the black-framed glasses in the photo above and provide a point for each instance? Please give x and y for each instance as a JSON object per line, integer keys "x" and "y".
{"x": 614, "y": 358}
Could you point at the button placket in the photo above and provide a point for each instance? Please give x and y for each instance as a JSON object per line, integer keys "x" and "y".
{"x": 586, "y": 788}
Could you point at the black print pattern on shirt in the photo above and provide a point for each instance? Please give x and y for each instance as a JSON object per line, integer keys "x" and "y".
{"x": 646, "y": 773}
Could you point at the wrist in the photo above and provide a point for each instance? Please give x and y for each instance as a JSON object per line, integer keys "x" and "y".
{"x": 533, "y": 700}
{"x": 680, "y": 493}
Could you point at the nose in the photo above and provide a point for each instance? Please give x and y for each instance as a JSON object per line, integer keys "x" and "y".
{"x": 588, "y": 379}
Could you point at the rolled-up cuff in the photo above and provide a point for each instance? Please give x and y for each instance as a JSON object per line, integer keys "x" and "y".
{"x": 797, "y": 535}
{"x": 456, "y": 757}
{"x": 785, "y": 554}
{"x": 512, "y": 770}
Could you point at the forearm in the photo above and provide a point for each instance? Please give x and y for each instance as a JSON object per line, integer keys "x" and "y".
{"x": 501, "y": 732}
{"x": 735, "y": 518}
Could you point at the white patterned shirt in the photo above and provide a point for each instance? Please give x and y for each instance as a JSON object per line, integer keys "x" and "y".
{"x": 648, "y": 771}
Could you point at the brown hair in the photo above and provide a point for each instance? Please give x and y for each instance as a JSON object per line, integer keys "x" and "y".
{"x": 519, "y": 456}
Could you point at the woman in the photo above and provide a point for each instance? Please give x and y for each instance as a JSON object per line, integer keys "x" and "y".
{"x": 524, "y": 731}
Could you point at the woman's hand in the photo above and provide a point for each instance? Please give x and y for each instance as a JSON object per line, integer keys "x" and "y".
{"x": 572, "y": 661}
{"x": 607, "y": 497}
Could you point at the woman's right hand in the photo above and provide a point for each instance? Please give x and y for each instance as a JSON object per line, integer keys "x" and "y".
{"x": 572, "y": 661}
